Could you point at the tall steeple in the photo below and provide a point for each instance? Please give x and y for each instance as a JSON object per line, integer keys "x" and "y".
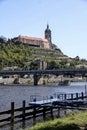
{"x": 48, "y": 34}
{"x": 47, "y": 26}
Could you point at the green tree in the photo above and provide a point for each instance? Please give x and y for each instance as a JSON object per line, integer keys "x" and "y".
{"x": 52, "y": 65}
{"x": 3, "y": 39}
{"x": 33, "y": 65}
{"x": 72, "y": 65}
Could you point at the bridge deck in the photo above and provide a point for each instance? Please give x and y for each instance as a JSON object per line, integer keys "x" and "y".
{"x": 59, "y": 71}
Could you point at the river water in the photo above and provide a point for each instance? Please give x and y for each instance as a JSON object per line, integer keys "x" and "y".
{"x": 18, "y": 93}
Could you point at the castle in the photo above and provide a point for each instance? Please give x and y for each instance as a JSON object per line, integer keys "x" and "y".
{"x": 45, "y": 43}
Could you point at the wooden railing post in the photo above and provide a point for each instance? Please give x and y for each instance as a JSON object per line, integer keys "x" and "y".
{"x": 62, "y": 96}
{"x": 71, "y": 96}
{"x": 34, "y": 115}
{"x": 65, "y": 112}
{"x": 77, "y": 96}
{"x": 65, "y": 96}
{"x": 44, "y": 113}
{"x": 58, "y": 112}
{"x": 23, "y": 114}
{"x": 23, "y": 111}
{"x": 12, "y": 112}
{"x": 51, "y": 110}
{"x": 82, "y": 95}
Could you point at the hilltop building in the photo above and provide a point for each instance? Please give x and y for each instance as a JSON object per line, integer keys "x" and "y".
{"x": 32, "y": 41}
{"x": 45, "y": 43}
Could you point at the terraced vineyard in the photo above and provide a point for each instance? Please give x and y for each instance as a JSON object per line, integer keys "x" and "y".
{"x": 23, "y": 56}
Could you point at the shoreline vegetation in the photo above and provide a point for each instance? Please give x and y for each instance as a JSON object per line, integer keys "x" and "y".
{"x": 74, "y": 121}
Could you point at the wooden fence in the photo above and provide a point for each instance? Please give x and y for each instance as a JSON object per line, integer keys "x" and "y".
{"x": 23, "y": 113}
{"x": 32, "y": 112}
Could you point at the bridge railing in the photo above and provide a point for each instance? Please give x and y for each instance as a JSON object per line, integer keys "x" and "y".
{"x": 59, "y": 96}
{"x": 72, "y": 96}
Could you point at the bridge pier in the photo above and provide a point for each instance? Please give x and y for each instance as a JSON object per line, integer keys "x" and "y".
{"x": 38, "y": 79}
{"x": 35, "y": 79}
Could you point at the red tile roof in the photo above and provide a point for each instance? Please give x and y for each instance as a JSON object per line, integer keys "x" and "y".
{"x": 33, "y": 38}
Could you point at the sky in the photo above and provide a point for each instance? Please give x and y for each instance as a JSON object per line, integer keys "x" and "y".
{"x": 67, "y": 20}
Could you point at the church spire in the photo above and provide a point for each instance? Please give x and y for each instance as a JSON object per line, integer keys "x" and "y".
{"x": 47, "y": 26}
{"x": 48, "y": 34}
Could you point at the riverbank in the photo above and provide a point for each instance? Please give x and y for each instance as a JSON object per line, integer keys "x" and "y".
{"x": 30, "y": 81}
{"x": 74, "y": 121}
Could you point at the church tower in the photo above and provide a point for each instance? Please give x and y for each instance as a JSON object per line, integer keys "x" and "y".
{"x": 48, "y": 34}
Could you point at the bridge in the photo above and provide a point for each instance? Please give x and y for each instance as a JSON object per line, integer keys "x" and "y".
{"x": 37, "y": 73}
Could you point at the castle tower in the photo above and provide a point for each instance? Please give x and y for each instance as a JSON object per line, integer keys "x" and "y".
{"x": 48, "y": 34}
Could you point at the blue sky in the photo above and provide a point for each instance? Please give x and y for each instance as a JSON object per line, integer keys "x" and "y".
{"x": 67, "y": 20}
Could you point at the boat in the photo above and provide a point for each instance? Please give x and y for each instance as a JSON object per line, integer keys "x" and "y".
{"x": 64, "y": 83}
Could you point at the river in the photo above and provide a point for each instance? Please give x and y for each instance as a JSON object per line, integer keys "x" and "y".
{"x": 19, "y": 93}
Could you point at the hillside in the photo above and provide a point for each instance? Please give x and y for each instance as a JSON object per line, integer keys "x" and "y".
{"x": 20, "y": 56}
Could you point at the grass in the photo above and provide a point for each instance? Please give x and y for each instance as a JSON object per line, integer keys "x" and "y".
{"x": 74, "y": 121}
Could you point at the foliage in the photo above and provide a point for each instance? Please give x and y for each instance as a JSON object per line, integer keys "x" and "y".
{"x": 74, "y": 121}
{"x": 13, "y": 55}
{"x": 52, "y": 65}
{"x": 23, "y": 56}
{"x": 3, "y": 39}
{"x": 33, "y": 65}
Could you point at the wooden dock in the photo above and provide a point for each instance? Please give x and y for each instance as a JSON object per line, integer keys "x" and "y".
{"x": 61, "y": 99}
{"x": 43, "y": 102}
